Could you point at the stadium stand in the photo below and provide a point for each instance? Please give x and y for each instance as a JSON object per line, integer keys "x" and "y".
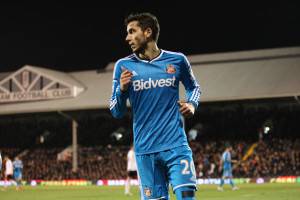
{"x": 261, "y": 115}
{"x": 100, "y": 157}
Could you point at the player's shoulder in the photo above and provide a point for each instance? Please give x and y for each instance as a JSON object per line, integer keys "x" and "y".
{"x": 124, "y": 60}
{"x": 178, "y": 55}
{"x": 121, "y": 62}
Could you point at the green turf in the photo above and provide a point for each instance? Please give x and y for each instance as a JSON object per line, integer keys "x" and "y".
{"x": 208, "y": 192}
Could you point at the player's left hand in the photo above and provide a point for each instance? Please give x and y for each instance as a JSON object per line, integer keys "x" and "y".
{"x": 186, "y": 109}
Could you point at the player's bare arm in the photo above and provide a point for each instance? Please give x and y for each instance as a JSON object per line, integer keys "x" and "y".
{"x": 186, "y": 109}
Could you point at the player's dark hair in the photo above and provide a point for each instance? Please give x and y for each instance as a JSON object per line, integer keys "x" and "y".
{"x": 145, "y": 20}
{"x": 227, "y": 145}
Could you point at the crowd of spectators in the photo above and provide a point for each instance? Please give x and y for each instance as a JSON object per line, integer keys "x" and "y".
{"x": 271, "y": 158}
{"x": 38, "y": 139}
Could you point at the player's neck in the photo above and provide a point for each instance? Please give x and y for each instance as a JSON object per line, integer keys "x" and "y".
{"x": 150, "y": 52}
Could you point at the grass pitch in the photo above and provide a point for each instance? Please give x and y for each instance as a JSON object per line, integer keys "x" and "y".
{"x": 275, "y": 191}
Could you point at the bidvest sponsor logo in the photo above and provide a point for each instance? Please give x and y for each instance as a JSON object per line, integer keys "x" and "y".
{"x": 148, "y": 84}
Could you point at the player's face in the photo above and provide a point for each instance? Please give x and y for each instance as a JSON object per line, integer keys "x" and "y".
{"x": 136, "y": 37}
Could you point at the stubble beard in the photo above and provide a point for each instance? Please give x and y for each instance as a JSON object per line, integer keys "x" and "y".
{"x": 141, "y": 49}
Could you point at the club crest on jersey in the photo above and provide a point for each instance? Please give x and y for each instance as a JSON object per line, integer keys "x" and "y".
{"x": 170, "y": 69}
{"x": 147, "y": 192}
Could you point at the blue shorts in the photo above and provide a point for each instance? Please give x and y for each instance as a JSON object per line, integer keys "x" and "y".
{"x": 158, "y": 170}
{"x": 227, "y": 173}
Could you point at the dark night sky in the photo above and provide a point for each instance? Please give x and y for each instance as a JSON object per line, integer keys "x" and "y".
{"x": 84, "y": 36}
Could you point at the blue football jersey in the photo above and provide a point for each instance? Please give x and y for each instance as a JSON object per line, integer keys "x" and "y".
{"x": 18, "y": 166}
{"x": 226, "y": 158}
{"x": 153, "y": 95}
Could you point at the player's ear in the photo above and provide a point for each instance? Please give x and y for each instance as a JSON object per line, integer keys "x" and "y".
{"x": 148, "y": 32}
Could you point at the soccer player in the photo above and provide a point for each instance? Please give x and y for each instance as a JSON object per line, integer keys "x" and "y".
{"x": 131, "y": 170}
{"x": 18, "y": 168}
{"x": 8, "y": 172}
{"x": 225, "y": 164}
{"x": 0, "y": 165}
{"x": 150, "y": 79}
{"x": 0, "y": 162}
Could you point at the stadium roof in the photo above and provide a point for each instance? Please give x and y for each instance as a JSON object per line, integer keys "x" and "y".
{"x": 269, "y": 73}
{"x": 249, "y": 74}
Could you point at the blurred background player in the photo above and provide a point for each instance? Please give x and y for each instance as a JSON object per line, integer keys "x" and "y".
{"x": 8, "y": 173}
{"x": 225, "y": 164}
{"x": 131, "y": 170}
{"x": 18, "y": 168}
{"x": 0, "y": 165}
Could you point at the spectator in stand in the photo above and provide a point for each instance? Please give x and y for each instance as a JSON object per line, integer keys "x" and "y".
{"x": 212, "y": 166}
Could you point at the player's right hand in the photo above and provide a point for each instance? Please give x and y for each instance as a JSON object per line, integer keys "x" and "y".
{"x": 125, "y": 79}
